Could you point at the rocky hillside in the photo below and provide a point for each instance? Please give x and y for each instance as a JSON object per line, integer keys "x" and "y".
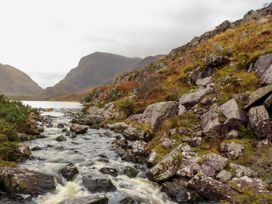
{"x": 201, "y": 116}
{"x": 96, "y": 69}
{"x": 14, "y": 82}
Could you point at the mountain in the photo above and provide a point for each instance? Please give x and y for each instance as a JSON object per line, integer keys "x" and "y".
{"x": 96, "y": 69}
{"x": 14, "y": 82}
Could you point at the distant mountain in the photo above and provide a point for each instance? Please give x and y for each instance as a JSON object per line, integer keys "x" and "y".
{"x": 96, "y": 69}
{"x": 14, "y": 82}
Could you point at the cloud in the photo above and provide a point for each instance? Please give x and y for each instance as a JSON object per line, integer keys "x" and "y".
{"x": 47, "y": 38}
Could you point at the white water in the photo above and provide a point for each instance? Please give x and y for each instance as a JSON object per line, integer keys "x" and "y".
{"x": 84, "y": 151}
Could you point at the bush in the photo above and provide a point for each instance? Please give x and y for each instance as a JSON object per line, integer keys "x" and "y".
{"x": 125, "y": 105}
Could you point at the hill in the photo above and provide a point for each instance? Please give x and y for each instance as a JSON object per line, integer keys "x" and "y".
{"x": 96, "y": 69}
{"x": 14, "y": 82}
{"x": 201, "y": 116}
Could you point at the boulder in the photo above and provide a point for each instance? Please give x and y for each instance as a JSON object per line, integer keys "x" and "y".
{"x": 259, "y": 96}
{"x": 152, "y": 159}
{"x": 60, "y": 138}
{"x": 189, "y": 167}
{"x": 23, "y": 181}
{"x": 118, "y": 127}
{"x": 245, "y": 183}
{"x": 168, "y": 143}
{"x": 218, "y": 121}
{"x": 263, "y": 67}
{"x": 212, "y": 164}
{"x": 166, "y": 168}
{"x": 259, "y": 121}
{"x": 69, "y": 171}
{"x": 210, "y": 188}
{"x": 78, "y": 129}
{"x": 178, "y": 192}
{"x": 111, "y": 171}
{"x": 193, "y": 98}
{"x": 60, "y": 125}
{"x": 231, "y": 150}
{"x": 240, "y": 171}
{"x": 132, "y": 133}
{"x": 181, "y": 110}
{"x": 224, "y": 176}
{"x": 156, "y": 113}
{"x": 95, "y": 185}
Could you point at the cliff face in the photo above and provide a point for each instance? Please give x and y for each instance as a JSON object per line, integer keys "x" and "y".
{"x": 14, "y": 82}
{"x": 201, "y": 116}
{"x": 95, "y": 69}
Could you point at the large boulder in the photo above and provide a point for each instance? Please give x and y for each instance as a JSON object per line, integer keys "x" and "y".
{"x": 259, "y": 96}
{"x": 78, "y": 129}
{"x": 218, "y": 121}
{"x": 23, "y": 181}
{"x": 260, "y": 122}
{"x": 189, "y": 167}
{"x": 166, "y": 168}
{"x": 156, "y": 113}
{"x": 211, "y": 188}
{"x": 193, "y": 98}
{"x": 246, "y": 183}
{"x": 95, "y": 185}
{"x": 263, "y": 67}
{"x": 240, "y": 171}
{"x": 69, "y": 171}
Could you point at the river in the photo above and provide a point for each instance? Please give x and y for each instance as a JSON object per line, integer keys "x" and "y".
{"x": 89, "y": 152}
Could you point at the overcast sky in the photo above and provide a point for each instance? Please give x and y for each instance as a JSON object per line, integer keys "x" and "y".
{"x": 46, "y": 38}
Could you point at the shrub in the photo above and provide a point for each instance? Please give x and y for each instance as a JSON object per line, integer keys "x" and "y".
{"x": 125, "y": 105}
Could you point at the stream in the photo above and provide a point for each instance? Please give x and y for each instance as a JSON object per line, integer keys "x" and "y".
{"x": 89, "y": 152}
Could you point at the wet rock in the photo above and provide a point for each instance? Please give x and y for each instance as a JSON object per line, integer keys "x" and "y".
{"x": 263, "y": 67}
{"x": 69, "y": 171}
{"x": 178, "y": 192}
{"x": 156, "y": 113}
{"x": 36, "y": 148}
{"x": 78, "y": 129}
{"x": 212, "y": 164}
{"x": 224, "y": 176}
{"x": 240, "y": 171}
{"x": 255, "y": 184}
{"x": 60, "y": 138}
{"x": 210, "y": 188}
{"x": 60, "y": 125}
{"x": 111, "y": 171}
{"x": 98, "y": 199}
{"x": 166, "y": 168}
{"x": 231, "y": 150}
{"x": 259, "y": 96}
{"x": 219, "y": 121}
{"x": 95, "y": 185}
{"x": 129, "y": 200}
{"x": 260, "y": 122}
{"x": 152, "y": 159}
{"x": 18, "y": 153}
{"x": 131, "y": 172}
{"x": 23, "y": 181}
{"x": 193, "y": 98}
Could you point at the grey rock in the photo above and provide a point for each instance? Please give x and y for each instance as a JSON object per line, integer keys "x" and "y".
{"x": 259, "y": 96}
{"x": 156, "y": 113}
{"x": 132, "y": 133}
{"x": 117, "y": 127}
{"x": 259, "y": 121}
{"x": 181, "y": 110}
{"x": 224, "y": 176}
{"x": 152, "y": 159}
{"x": 95, "y": 185}
{"x": 60, "y": 138}
{"x": 168, "y": 143}
{"x": 263, "y": 67}
{"x": 233, "y": 134}
{"x": 231, "y": 150}
{"x": 204, "y": 81}
{"x": 210, "y": 188}
{"x": 255, "y": 184}
{"x": 23, "y": 181}
{"x": 240, "y": 171}
{"x": 193, "y": 98}
{"x": 98, "y": 199}
{"x": 78, "y": 129}
{"x": 189, "y": 167}
{"x": 69, "y": 171}
{"x": 111, "y": 171}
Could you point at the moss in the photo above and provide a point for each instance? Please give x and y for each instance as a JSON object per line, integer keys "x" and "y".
{"x": 125, "y": 105}
{"x": 3, "y": 138}
{"x": 7, "y": 164}
{"x": 161, "y": 152}
{"x": 7, "y": 150}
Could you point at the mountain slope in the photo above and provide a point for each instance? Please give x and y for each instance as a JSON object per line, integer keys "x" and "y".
{"x": 14, "y": 82}
{"x": 95, "y": 69}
